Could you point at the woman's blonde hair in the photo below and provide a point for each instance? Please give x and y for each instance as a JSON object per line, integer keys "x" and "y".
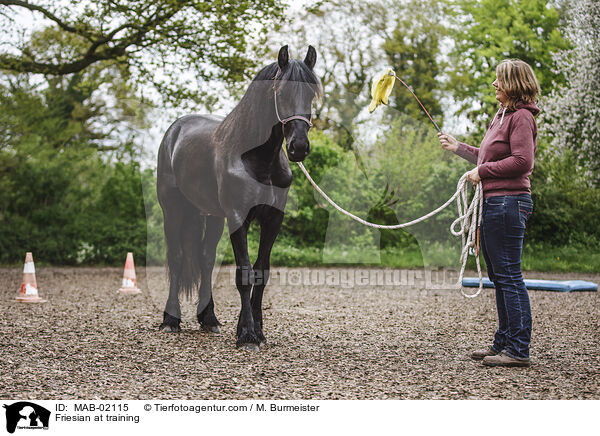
{"x": 517, "y": 79}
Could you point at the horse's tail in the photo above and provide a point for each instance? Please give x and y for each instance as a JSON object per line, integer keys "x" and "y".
{"x": 184, "y": 254}
{"x": 184, "y": 226}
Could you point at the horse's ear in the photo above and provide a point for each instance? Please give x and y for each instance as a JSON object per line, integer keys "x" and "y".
{"x": 283, "y": 57}
{"x": 311, "y": 57}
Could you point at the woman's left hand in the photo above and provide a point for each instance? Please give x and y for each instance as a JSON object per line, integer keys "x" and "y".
{"x": 473, "y": 176}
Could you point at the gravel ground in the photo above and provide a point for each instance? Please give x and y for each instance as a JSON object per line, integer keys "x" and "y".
{"x": 325, "y": 342}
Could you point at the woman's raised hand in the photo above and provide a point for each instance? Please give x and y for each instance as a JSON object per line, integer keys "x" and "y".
{"x": 448, "y": 142}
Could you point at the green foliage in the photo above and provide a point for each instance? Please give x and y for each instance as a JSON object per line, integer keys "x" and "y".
{"x": 488, "y": 31}
{"x": 115, "y": 222}
{"x": 156, "y": 247}
{"x": 413, "y": 49}
{"x": 70, "y": 208}
{"x": 406, "y": 174}
{"x": 59, "y": 196}
{"x": 305, "y": 222}
{"x": 37, "y": 202}
{"x": 346, "y": 56}
{"x": 566, "y": 209}
{"x": 565, "y": 258}
{"x": 70, "y": 112}
{"x": 422, "y": 175}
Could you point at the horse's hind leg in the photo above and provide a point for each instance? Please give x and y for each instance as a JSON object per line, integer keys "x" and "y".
{"x": 270, "y": 220}
{"x": 206, "y": 311}
{"x": 174, "y": 217}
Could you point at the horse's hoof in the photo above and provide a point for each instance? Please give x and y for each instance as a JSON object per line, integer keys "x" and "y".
{"x": 167, "y": 328}
{"x": 261, "y": 339}
{"x": 249, "y": 347}
{"x": 215, "y": 329}
{"x": 247, "y": 339}
{"x": 170, "y": 324}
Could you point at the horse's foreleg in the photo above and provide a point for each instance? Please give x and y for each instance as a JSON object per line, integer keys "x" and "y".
{"x": 246, "y": 337}
{"x": 270, "y": 224}
{"x": 206, "y": 310}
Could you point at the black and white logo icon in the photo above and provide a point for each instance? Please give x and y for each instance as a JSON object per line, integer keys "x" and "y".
{"x": 26, "y": 415}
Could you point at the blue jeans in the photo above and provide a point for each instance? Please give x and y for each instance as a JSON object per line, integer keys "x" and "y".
{"x": 502, "y": 231}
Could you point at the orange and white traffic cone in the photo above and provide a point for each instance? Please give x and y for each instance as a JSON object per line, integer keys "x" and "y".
{"x": 129, "y": 285}
{"x": 29, "y": 292}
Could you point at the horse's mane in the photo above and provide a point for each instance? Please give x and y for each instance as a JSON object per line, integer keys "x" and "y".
{"x": 251, "y": 121}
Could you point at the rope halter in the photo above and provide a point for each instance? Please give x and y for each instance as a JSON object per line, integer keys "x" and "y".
{"x": 293, "y": 117}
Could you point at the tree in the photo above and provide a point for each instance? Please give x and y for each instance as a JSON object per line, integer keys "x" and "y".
{"x": 414, "y": 51}
{"x": 342, "y": 33}
{"x": 168, "y": 43}
{"x": 71, "y": 200}
{"x": 93, "y": 109}
{"x": 362, "y": 38}
{"x": 72, "y": 85}
{"x": 488, "y": 31}
{"x": 58, "y": 194}
{"x": 355, "y": 41}
{"x": 572, "y": 112}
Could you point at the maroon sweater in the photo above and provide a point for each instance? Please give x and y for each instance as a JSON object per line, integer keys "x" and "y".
{"x": 505, "y": 156}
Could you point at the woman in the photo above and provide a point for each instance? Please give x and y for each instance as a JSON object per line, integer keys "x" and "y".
{"x": 504, "y": 162}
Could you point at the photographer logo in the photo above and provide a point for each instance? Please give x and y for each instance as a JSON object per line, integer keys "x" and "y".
{"x": 25, "y": 415}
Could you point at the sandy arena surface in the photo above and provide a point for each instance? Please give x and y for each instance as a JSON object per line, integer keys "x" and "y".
{"x": 351, "y": 342}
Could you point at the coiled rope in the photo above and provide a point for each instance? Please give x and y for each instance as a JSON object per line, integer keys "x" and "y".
{"x": 469, "y": 218}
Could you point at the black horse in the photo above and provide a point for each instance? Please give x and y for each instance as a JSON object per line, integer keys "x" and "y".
{"x": 211, "y": 168}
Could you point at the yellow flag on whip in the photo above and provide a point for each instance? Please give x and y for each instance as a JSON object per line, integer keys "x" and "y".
{"x": 382, "y": 88}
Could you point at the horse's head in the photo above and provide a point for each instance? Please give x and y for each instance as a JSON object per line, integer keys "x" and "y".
{"x": 294, "y": 89}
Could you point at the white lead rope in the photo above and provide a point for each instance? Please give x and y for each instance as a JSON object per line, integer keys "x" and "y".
{"x": 469, "y": 217}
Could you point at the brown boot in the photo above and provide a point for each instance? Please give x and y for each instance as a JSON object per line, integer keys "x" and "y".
{"x": 480, "y": 354}
{"x": 502, "y": 359}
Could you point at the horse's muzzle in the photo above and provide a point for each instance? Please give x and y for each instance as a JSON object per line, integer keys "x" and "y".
{"x": 297, "y": 152}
